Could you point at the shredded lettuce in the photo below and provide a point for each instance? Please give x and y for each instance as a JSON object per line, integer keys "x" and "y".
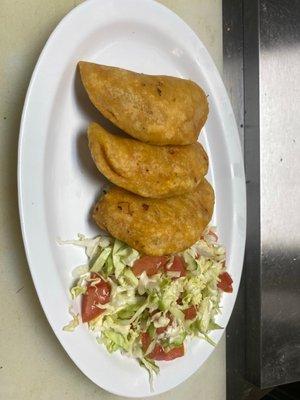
{"x": 148, "y": 284}
{"x": 170, "y": 292}
{"x": 80, "y": 270}
{"x": 129, "y": 278}
{"x": 72, "y": 325}
{"x": 108, "y": 268}
{"x": 123, "y": 256}
{"x": 129, "y": 311}
{"x": 214, "y": 326}
{"x": 77, "y": 291}
{"x": 100, "y": 260}
{"x": 205, "y": 312}
{"x": 114, "y": 340}
{"x": 90, "y": 245}
{"x": 156, "y": 304}
{"x": 152, "y": 369}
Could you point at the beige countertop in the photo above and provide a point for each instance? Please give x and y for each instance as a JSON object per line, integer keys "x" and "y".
{"x": 33, "y": 365}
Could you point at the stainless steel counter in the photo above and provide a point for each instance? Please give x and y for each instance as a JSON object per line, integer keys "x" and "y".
{"x": 279, "y": 100}
{"x": 262, "y": 61}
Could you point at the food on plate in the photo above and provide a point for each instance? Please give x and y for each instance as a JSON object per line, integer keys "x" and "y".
{"x": 157, "y": 275}
{"x": 144, "y": 169}
{"x": 225, "y": 283}
{"x": 155, "y": 227}
{"x": 147, "y": 306}
{"x": 156, "y": 109}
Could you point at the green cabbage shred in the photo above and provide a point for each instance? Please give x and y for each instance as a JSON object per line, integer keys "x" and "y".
{"x": 147, "y": 304}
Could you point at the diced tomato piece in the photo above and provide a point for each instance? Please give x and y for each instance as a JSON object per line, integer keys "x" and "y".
{"x": 177, "y": 265}
{"x": 176, "y": 352}
{"x": 99, "y": 293}
{"x": 161, "y": 329}
{"x": 225, "y": 283}
{"x": 146, "y": 340}
{"x": 164, "y": 328}
{"x": 190, "y": 313}
{"x": 159, "y": 354}
{"x": 149, "y": 264}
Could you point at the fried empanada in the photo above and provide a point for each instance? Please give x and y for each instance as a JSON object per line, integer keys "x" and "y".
{"x": 145, "y": 169}
{"x": 161, "y": 110}
{"x": 155, "y": 226}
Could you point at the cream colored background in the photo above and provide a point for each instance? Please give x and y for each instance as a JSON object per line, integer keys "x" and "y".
{"x": 33, "y": 365}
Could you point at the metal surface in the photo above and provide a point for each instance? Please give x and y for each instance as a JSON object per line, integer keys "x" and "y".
{"x": 279, "y": 89}
{"x": 263, "y": 337}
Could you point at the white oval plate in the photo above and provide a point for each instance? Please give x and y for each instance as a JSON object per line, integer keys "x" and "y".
{"x": 58, "y": 182}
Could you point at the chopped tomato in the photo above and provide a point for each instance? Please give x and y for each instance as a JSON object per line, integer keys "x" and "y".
{"x": 97, "y": 294}
{"x": 190, "y": 313}
{"x": 176, "y": 352}
{"x": 177, "y": 265}
{"x": 152, "y": 264}
{"x": 146, "y": 340}
{"x": 164, "y": 328}
{"x": 225, "y": 283}
{"x": 161, "y": 329}
{"x": 158, "y": 353}
{"x": 149, "y": 264}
